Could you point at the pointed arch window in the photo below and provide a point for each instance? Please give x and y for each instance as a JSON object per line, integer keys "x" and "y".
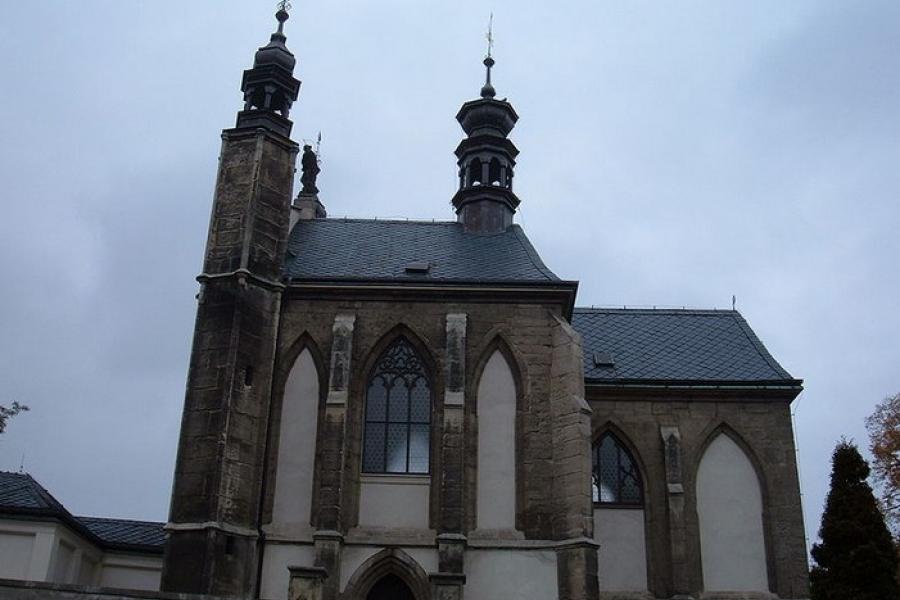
{"x": 616, "y": 479}
{"x": 397, "y": 432}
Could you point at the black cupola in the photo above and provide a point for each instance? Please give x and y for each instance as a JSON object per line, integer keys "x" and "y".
{"x": 269, "y": 87}
{"x": 485, "y": 202}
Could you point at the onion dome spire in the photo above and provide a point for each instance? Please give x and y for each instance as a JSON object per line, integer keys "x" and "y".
{"x": 485, "y": 201}
{"x": 269, "y": 87}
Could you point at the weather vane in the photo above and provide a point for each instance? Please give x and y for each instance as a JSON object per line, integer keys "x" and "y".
{"x": 490, "y": 34}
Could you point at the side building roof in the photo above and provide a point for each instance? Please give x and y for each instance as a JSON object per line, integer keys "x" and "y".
{"x": 21, "y": 496}
{"x": 669, "y": 347}
{"x": 366, "y": 249}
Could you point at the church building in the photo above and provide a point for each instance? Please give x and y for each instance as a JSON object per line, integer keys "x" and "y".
{"x": 382, "y": 409}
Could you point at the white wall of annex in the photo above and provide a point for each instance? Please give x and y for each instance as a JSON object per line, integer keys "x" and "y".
{"x": 15, "y": 554}
{"x": 130, "y": 571}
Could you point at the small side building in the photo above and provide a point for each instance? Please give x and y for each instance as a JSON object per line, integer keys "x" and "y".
{"x": 41, "y": 541}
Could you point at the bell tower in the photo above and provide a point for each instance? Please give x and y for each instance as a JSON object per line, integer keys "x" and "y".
{"x": 485, "y": 201}
{"x": 213, "y": 526}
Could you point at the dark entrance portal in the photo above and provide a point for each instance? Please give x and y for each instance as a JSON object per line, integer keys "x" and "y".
{"x": 390, "y": 587}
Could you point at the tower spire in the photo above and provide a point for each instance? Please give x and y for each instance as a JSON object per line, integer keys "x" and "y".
{"x": 269, "y": 87}
{"x": 485, "y": 201}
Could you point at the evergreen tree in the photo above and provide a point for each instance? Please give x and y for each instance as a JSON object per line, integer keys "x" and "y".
{"x": 855, "y": 559}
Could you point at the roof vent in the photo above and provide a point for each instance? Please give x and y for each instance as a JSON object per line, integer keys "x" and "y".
{"x": 603, "y": 359}
{"x": 419, "y": 268}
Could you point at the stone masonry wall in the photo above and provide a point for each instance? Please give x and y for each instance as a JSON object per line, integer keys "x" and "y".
{"x": 219, "y": 469}
{"x": 762, "y": 426}
{"x": 525, "y": 331}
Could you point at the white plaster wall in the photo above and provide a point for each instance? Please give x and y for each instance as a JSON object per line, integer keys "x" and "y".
{"x": 43, "y": 546}
{"x": 276, "y": 560}
{"x": 72, "y": 552}
{"x": 394, "y": 501}
{"x": 513, "y": 573}
{"x": 15, "y": 554}
{"x": 48, "y": 551}
{"x": 729, "y": 506}
{"x": 131, "y": 572}
{"x": 296, "y": 451}
{"x": 353, "y": 557}
{"x": 63, "y": 562}
{"x": 622, "y": 558}
{"x": 496, "y": 495}
{"x": 87, "y": 572}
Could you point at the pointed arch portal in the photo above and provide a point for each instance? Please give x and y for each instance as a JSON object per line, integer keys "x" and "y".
{"x": 390, "y": 587}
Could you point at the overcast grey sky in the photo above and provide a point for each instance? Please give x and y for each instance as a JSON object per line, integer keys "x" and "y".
{"x": 673, "y": 153}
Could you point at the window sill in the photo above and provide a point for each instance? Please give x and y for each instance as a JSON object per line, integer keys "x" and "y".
{"x": 396, "y": 478}
{"x": 617, "y": 505}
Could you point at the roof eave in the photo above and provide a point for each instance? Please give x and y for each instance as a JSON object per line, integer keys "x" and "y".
{"x": 564, "y": 291}
{"x": 787, "y": 389}
{"x": 72, "y": 522}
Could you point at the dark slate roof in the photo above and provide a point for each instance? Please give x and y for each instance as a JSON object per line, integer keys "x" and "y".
{"x": 361, "y": 249}
{"x": 123, "y": 532}
{"x": 669, "y": 346}
{"x": 21, "y": 491}
{"x": 21, "y": 495}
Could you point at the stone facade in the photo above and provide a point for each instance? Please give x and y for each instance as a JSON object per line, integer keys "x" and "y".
{"x": 760, "y": 423}
{"x": 261, "y": 307}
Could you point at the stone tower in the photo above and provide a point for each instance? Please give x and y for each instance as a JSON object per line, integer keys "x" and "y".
{"x": 214, "y": 513}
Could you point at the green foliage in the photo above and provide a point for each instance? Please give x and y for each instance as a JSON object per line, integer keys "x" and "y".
{"x": 855, "y": 559}
{"x": 7, "y": 413}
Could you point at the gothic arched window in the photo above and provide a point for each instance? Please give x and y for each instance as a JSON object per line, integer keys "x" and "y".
{"x": 397, "y": 435}
{"x": 616, "y": 477}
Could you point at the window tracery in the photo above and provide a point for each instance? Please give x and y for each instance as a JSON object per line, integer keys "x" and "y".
{"x": 397, "y": 432}
{"x": 616, "y": 479}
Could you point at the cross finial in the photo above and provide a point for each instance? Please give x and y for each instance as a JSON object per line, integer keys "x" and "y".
{"x": 282, "y": 14}
{"x": 487, "y": 91}
{"x": 490, "y": 35}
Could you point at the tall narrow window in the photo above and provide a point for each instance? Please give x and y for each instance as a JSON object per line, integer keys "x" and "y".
{"x": 616, "y": 478}
{"x": 397, "y": 436}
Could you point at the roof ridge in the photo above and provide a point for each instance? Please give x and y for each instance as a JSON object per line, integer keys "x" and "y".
{"x": 758, "y": 345}
{"x": 46, "y": 496}
{"x": 118, "y": 520}
{"x": 532, "y": 254}
{"x": 377, "y": 220}
{"x": 655, "y": 310}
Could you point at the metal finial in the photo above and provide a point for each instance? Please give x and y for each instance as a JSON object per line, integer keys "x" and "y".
{"x": 488, "y": 90}
{"x": 490, "y": 34}
{"x": 282, "y": 14}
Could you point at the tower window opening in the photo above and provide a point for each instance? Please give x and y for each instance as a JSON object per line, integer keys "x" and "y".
{"x": 494, "y": 172}
{"x": 475, "y": 174}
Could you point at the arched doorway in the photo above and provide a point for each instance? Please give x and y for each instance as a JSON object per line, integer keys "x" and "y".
{"x": 390, "y": 587}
